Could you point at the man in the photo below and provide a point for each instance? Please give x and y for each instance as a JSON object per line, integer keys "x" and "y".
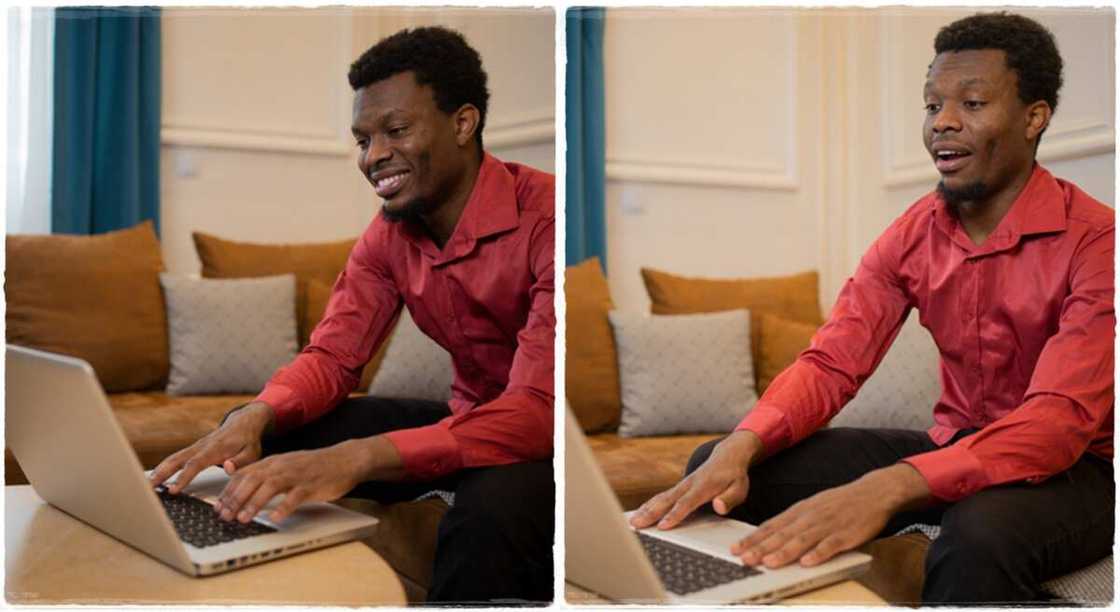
{"x": 1012, "y": 273}
{"x": 466, "y": 243}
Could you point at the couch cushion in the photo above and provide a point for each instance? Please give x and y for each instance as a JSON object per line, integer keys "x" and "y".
{"x": 779, "y": 342}
{"x": 414, "y": 367}
{"x": 93, "y": 297}
{"x": 791, "y": 297}
{"x": 683, "y": 373}
{"x": 228, "y": 335}
{"x": 639, "y": 468}
{"x": 591, "y": 379}
{"x": 312, "y": 261}
{"x": 158, "y": 424}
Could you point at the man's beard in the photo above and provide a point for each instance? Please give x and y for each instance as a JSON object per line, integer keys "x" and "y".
{"x": 412, "y": 212}
{"x": 972, "y": 192}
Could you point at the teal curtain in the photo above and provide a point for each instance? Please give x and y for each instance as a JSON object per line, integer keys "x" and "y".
{"x": 105, "y": 168}
{"x": 586, "y": 157}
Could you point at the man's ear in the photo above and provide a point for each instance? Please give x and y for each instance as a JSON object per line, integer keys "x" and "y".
{"x": 1038, "y": 119}
{"x": 466, "y": 124}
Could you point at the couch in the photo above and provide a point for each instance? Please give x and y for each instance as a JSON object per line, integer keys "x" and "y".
{"x": 784, "y": 314}
{"x": 99, "y": 298}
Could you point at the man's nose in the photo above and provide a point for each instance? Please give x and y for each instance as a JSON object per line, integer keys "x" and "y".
{"x": 377, "y": 153}
{"x": 947, "y": 118}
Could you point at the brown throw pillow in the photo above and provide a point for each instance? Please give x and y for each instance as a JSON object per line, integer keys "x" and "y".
{"x": 318, "y": 294}
{"x": 591, "y": 365}
{"x": 779, "y": 341}
{"x": 314, "y": 261}
{"x": 94, "y": 297}
{"x": 793, "y": 298}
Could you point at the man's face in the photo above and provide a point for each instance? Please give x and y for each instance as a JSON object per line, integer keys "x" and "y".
{"x": 407, "y": 146}
{"x": 976, "y": 126}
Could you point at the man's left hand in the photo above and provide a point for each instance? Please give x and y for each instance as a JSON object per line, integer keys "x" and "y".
{"x": 305, "y": 476}
{"x": 818, "y": 528}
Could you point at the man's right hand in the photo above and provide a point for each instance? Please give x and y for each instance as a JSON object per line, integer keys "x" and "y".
{"x": 722, "y": 479}
{"x": 236, "y": 443}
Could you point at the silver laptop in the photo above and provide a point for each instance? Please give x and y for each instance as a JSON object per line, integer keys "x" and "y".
{"x": 690, "y": 564}
{"x": 61, "y": 429}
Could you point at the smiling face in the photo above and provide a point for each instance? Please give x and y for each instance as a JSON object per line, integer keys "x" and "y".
{"x": 415, "y": 155}
{"x": 980, "y": 134}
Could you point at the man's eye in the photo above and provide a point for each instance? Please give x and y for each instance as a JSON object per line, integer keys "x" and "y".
{"x": 973, "y": 104}
{"x": 932, "y": 107}
{"x": 398, "y": 131}
{"x": 362, "y": 143}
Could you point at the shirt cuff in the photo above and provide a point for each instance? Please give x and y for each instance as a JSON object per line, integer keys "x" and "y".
{"x": 952, "y": 473}
{"x": 285, "y": 410}
{"x": 770, "y": 425}
{"x": 427, "y": 452}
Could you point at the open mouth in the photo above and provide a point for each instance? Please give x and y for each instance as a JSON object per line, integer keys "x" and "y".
{"x": 950, "y": 160}
{"x": 388, "y": 186}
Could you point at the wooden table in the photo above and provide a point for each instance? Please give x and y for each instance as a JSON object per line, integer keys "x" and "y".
{"x": 848, "y": 592}
{"x": 53, "y": 558}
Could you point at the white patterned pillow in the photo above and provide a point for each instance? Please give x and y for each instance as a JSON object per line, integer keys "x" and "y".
{"x": 228, "y": 335}
{"x": 684, "y": 373}
{"x": 414, "y": 367}
{"x": 903, "y": 390}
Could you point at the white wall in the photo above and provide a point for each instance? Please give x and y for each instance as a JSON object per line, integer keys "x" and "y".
{"x": 256, "y": 115}
{"x": 748, "y": 142}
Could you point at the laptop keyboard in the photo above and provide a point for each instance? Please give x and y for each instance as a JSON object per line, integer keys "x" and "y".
{"x": 198, "y": 525}
{"x": 683, "y": 570}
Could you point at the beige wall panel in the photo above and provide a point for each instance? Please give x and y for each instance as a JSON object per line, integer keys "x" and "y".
{"x": 685, "y": 94}
{"x": 708, "y": 145}
{"x": 256, "y": 142}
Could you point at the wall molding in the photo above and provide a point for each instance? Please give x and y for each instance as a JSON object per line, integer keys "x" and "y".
{"x": 525, "y": 128}
{"x": 701, "y": 173}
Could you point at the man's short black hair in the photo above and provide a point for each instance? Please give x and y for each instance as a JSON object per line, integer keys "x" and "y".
{"x": 439, "y": 57}
{"x": 1030, "y": 49}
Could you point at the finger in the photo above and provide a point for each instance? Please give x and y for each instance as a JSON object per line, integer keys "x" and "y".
{"x": 766, "y": 530}
{"x": 696, "y": 496}
{"x": 191, "y": 467}
{"x": 260, "y": 499}
{"x": 655, "y": 508}
{"x": 238, "y": 491}
{"x": 243, "y": 458}
{"x": 826, "y": 549}
{"x": 793, "y": 545}
{"x": 168, "y": 466}
{"x": 732, "y": 496}
{"x": 288, "y": 505}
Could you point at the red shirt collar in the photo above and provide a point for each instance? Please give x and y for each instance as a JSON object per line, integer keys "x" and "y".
{"x": 1039, "y": 208}
{"x": 491, "y": 209}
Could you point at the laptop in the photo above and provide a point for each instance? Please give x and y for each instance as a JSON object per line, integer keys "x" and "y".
{"x": 690, "y": 564}
{"x": 61, "y": 429}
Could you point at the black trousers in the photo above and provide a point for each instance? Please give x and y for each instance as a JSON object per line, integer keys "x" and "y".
{"x": 996, "y": 546}
{"x": 495, "y": 543}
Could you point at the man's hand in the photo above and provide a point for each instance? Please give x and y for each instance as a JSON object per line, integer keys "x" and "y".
{"x": 722, "y": 478}
{"x": 816, "y": 529}
{"x": 325, "y": 474}
{"x": 235, "y": 444}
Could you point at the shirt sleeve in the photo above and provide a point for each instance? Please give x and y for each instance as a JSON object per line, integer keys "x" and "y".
{"x": 844, "y": 352}
{"x": 1069, "y": 398}
{"x": 517, "y": 425}
{"x": 362, "y": 307}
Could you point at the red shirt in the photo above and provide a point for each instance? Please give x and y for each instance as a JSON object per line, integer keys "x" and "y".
{"x": 1024, "y": 324}
{"x": 486, "y": 297}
